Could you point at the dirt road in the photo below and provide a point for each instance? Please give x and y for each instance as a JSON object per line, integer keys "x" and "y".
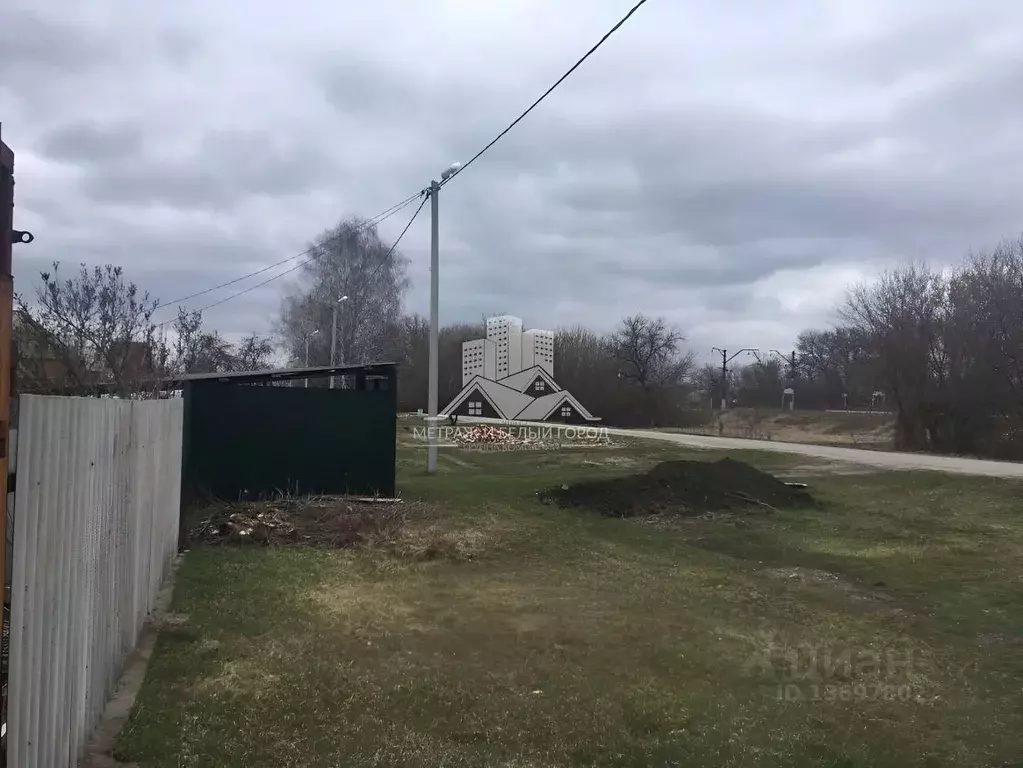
{"x": 882, "y": 459}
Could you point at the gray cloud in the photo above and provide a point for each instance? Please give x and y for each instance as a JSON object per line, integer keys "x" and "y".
{"x": 91, "y": 143}
{"x": 222, "y": 168}
{"x": 729, "y": 167}
{"x": 32, "y": 45}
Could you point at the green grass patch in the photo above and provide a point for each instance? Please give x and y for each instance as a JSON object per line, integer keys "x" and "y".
{"x": 882, "y": 629}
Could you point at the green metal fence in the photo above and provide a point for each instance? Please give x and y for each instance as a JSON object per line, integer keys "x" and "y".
{"x": 244, "y": 439}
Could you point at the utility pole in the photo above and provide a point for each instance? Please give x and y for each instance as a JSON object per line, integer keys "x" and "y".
{"x": 431, "y": 405}
{"x": 333, "y": 339}
{"x": 725, "y": 360}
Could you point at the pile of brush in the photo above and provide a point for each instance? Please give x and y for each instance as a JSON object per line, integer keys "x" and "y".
{"x": 327, "y": 522}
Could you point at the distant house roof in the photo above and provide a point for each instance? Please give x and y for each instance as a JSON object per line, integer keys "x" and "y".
{"x": 505, "y": 400}
{"x": 523, "y": 379}
{"x": 542, "y": 407}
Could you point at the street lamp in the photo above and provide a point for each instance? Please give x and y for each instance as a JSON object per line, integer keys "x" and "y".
{"x": 431, "y": 426}
{"x": 307, "y": 337}
{"x": 333, "y": 339}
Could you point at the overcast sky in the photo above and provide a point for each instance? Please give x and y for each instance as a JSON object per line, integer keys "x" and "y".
{"x": 732, "y": 165}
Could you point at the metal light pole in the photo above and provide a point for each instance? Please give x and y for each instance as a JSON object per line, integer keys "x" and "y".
{"x": 333, "y": 339}
{"x": 431, "y": 426}
{"x": 307, "y": 336}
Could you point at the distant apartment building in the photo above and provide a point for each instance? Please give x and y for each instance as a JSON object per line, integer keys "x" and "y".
{"x": 479, "y": 358}
{"x": 506, "y": 334}
{"x": 538, "y": 349}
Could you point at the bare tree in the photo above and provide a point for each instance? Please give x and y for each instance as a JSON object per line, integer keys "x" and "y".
{"x": 413, "y": 353}
{"x": 196, "y": 350}
{"x": 90, "y": 332}
{"x": 759, "y": 384}
{"x": 648, "y": 352}
{"x": 583, "y": 359}
{"x": 901, "y": 317}
{"x": 982, "y": 352}
{"x": 584, "y": 366}
{"x": 254, "y": 353}
{"x": 348, "y": 260}
{"x": 836, "y": 368}
{"x": 413, "y": 357}
{"x": 707, "y": 380}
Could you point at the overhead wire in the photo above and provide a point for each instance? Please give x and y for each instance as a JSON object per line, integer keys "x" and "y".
{"x": 390, "y": 251}
{"x": 399, "y": 206}
{"x": 548, "y": 92}
{"x": 380, "y": 217}
{"x": 313, "y": 258}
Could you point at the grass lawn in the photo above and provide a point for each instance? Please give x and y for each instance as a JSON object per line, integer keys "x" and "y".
{"x": 883, "y": 629}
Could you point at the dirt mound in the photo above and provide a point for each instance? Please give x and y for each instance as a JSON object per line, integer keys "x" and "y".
{"x": 314, "y": 522}
{"x": 682, "y": 488}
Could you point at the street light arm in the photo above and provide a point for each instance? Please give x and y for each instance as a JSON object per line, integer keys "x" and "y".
{"x": 754, "y": 351}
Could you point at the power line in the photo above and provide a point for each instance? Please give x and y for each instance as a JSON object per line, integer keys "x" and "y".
{"x": 548, "y": 92}
{"x": 394, "y": 209}
{"x": 375, "y": 220}
{"x": 306, "y": 261}
{"x": 391, "y": 250}
{"x": 242, "y": 292}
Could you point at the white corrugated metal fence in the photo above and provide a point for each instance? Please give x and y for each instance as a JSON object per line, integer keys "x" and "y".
{"x": 96, "y": 526}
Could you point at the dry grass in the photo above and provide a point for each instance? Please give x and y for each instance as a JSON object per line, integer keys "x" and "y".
{"x": 860, "y": 430}
{"x": 434, "y": 542}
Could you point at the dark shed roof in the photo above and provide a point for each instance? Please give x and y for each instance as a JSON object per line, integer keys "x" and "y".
{"x": 287, "y": 374}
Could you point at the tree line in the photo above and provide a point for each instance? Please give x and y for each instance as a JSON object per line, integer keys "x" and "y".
{"x": 946, "y": 348}
{"x": 942, "y": 350}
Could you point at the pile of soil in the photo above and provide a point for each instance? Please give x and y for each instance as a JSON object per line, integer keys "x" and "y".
{"x": 682, "y": 488}
{"x": 322, "y": 522}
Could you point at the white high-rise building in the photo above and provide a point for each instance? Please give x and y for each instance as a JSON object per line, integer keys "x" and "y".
{"x": 479, "y": 358}
{"x": 538, "y": 349}
{"x": 506, "y": 334}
